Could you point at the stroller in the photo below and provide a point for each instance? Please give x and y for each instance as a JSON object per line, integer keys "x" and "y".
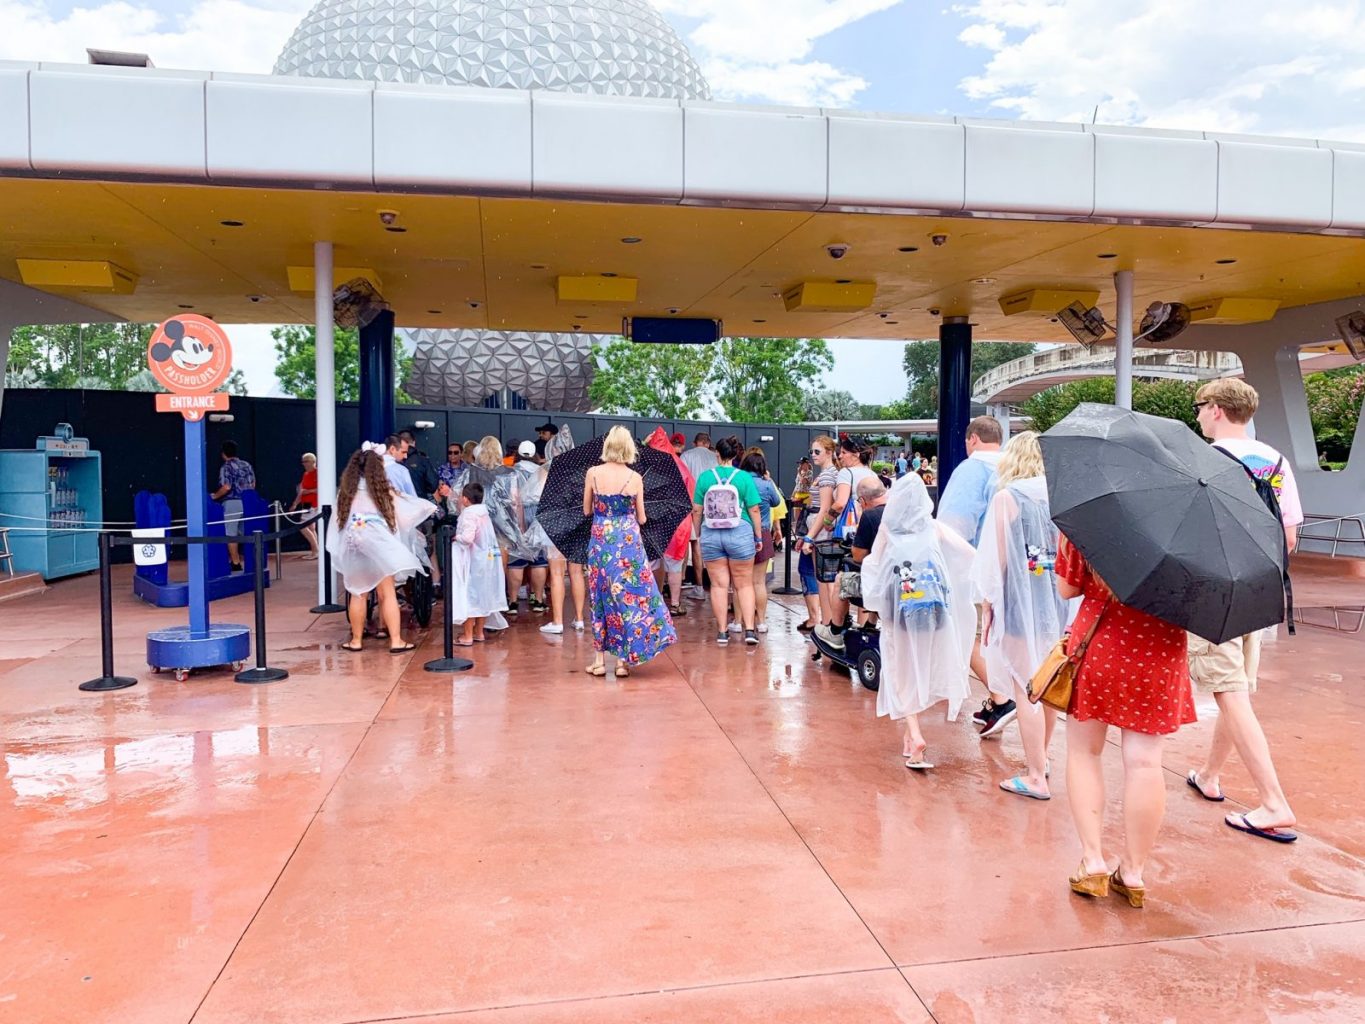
{"x": 862, "y": 644}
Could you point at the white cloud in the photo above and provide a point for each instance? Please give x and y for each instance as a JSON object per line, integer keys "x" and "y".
{"x": 1221, "y": 65}
{"x": 213, "y": 35}
{"x": 759, "y": 49}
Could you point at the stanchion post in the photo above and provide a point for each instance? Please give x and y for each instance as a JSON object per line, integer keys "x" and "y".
{"x": 279, "y": 541}
{"x": 261, "y": 673}
{"x": 107, "y": 680}
{"x": 328, "y": 606}
{"x": 448, "y": 662}
{"x": 787, "y": 587}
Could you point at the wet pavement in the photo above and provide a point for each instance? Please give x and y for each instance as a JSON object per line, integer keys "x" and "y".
{"x": 729, "y": 835}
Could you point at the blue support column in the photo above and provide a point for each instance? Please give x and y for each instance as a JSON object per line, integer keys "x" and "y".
{"x": 196, "y": 514}
{"x": 954, "y": 394}
{"x": 377, "y": 385}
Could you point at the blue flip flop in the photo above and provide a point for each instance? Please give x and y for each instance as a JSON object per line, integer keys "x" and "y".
{"x": 1019, "y": 787}
{"x": 1275, "y": 835}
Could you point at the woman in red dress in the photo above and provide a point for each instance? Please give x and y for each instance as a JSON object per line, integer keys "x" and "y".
{"x": 1134, "y": 677}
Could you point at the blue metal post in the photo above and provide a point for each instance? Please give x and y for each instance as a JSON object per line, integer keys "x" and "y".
{"x": 377, "y": 385}
{"x": 954, "y": 394}
{"x": 196, "y": 512}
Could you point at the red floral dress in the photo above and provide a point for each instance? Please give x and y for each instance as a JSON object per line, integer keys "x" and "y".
{"x": 1135, "y": 675}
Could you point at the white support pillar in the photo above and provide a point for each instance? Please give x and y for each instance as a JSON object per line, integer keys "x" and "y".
{"x": 1000, "y": 412}
{"x": 325, "y": 397}
{"x": 1123, "y": 341}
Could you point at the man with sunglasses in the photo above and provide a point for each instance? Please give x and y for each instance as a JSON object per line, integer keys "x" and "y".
{"x": 453, "y": 472}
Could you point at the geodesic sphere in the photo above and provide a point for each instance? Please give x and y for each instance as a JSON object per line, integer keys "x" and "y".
{"x": 550, "y": 371}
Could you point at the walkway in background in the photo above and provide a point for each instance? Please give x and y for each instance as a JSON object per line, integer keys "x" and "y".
{"x": 727, "y": 836}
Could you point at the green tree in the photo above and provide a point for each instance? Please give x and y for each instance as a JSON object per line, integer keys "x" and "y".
{"x": 921, "y": 360}
{"x": 656, "y": 381}
{"x": 764, "y": 380}
{"x": 1173, "y": 399}
{"x": 106, "y": 357}
{"x": 296, "y": 366}
{"x": 832, "y": 404}
{"x": 1334, "y": 403}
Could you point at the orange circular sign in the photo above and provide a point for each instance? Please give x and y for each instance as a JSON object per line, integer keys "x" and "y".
{"x": 190, "y": 355}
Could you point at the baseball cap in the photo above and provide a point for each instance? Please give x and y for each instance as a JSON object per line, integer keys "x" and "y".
{"x": 678, "y": 438}
{"x": 527, "y": 449}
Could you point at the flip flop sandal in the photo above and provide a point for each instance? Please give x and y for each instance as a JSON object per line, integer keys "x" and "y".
{"x": 1019, "y": 787}
{"x": 464, "y": 643}
{"x": 353, "y": 650}
{"x": 403, "y": 650}
{"x": 1275, "y": 835}
{"x": 1192, "y": 780}
{"x": 918, "y": 766}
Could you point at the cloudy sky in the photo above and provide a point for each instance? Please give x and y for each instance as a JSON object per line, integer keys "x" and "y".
{"x": 1258, "y": 66}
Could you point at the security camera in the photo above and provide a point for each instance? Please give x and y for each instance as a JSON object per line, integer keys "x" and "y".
{"x": 674, "y": 310}
{"x": 837, "y": 250}
{"x": 387, "y": 217}
{"x": 934, "y": 311}
{"x": 473, "y": 304}
{"x": 256, "y": 298}
{"x": 939, "y": 239}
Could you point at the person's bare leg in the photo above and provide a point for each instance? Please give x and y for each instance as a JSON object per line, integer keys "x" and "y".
{"x": 1085, "y": 788}
{"x": 467, "y": 631}
{"x": 388, "y": 611}
{"x": 234, "y": 554}
{"x": 827, "y": 598}
{"x": 514, "y": 578}
{"x": 356, "y": 607}
{"x": 539, "y": 575}
{"x": 812, "y": 608}
{"x": 698, "y": 566}
{"x": 838, "y": 608}
{"x": 720, "y": 592}
{"x": 675, "y": 586}
{"x": 1144, "y": 801}
{"x": 1238, "y": 727}
{"x": 760, "y": 580}
{"x": 913, "y": 745}
{"x": 557, "y": 567}
{"x": 1033, "y": 732}
{"x": 978, "y": 667}
{"x": 478, "y": 627}
{"x": 310, "y": 535}
{"x": 742, "y": 579}
{"x": 578, "y": 587}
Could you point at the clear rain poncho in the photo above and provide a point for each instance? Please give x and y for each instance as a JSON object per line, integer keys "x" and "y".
{"x": 1014, "y": 572}
{"x": 918, "y": 579}
{"x": 365, "y": 550}
{"x": 478, "y": 587}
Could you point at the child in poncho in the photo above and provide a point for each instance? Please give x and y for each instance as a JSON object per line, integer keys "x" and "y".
{"x": 478, "y": 586}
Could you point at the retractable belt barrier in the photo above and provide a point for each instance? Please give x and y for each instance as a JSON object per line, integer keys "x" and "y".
{"x": 261, "y": 673}
{"x": 447, "y": 662}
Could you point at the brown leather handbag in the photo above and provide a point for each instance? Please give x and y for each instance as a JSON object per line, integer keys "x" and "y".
{"x": 1055, "y": 681}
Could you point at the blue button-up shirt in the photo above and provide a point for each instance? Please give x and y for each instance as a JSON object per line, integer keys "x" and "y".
{"x": 969, "y": 492}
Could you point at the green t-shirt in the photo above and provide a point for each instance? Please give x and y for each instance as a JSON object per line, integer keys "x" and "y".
{"x": 744, "y": 484}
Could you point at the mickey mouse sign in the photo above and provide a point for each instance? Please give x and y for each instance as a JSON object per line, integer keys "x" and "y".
{"x": 191, "y": 356}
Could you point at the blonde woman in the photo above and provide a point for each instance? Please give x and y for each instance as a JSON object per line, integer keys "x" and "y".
{"x": 629, "y": 618}
{"x": 306, "y": 498}
{"x": 1022, "y": 613}
{"x": 819, "y": 522}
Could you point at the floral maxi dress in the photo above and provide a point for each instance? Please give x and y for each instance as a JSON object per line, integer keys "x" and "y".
{"x": 629, "y": 618}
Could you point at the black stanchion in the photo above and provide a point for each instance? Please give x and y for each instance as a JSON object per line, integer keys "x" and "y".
{"x": 261, "y": 673}
{"x": 448, "y": 662}
{"x": 328, "y": 606}
{"x": 792, "y": 519}
{"x": 107, "y": 680}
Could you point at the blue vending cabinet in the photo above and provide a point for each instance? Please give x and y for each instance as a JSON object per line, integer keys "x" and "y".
{"x": 51, "y": 499}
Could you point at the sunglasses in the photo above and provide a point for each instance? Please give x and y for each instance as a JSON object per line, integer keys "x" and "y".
{"x": 1200, "y": 405}
{"x": 817, "y": 451}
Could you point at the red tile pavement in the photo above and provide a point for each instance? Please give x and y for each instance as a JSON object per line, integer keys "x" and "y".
{"x": 727, "y": 835}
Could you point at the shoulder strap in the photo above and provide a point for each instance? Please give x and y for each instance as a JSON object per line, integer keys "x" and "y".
{"x": 1080, "y": 650}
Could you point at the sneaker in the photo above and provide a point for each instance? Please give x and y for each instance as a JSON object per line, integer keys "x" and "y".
{"x": 722, "y": 639}
{"x": 514, "y": 609}
{"x": 553, "y": 628}
{"x": 999, "y": 716}
{"x": 735, "y": 627}
{"x": 578, "y": 625}
{"x": 763, "y": 627}
{"x": 979, "y": 717}
{"x": 695, "y": 592}
{"x": 835, "y": 640}
{"x": 750, "y": 637}
{"x": 539, "y": 606}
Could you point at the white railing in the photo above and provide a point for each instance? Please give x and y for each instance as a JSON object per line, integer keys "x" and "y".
{"x": 1099, "y": 361}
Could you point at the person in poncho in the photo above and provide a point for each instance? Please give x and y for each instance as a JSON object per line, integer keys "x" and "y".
{"x": 477, "y": 586}
{"x": 377, "y": 546}
{"x": 917, "y": 579}
{"x": 1015, "y": 581}
{"x": 488, "y": 471}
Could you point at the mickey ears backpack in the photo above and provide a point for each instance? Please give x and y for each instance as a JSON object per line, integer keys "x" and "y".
{"x": 920, "y": 595}
{"x": 720, "y": 504}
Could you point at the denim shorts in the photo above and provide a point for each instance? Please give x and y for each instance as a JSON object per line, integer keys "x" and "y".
{"x": 805, "y": 567}
{"x": 736, "y": 544}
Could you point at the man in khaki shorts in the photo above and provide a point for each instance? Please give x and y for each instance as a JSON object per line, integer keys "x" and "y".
{"x": 1228, "y": 670}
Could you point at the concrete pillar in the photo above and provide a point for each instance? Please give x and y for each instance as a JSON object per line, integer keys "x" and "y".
{"x": 954, "y": 394}
{"x": 377, "y": 384}
{"x": 1123, "y": 341}
{"x": 1000, "y": 412}
{"x": 325, "y": 400}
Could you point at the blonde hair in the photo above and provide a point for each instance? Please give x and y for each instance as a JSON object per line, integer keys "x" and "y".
{"x": 1021, "y": 459}
{"x": 619, "y": 446}
{"x": 824, "y": 441}
{"x": 310, "y": 457}
{"x": 1236, "y": 398}
{"x": 469, "y": 448}
{"x": 489, "y": 452}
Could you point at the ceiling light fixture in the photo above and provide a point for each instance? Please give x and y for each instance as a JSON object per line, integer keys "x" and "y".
{"x": 1107, "y": 256}
{"x": 434, "y": 312}
{"x": 395, "y": 229}
{"x": 232, "y": 223}
{"x": 540, "y": 266}
{"x": 185, "y": 305}
{"x": 607, "y": 274}
{"x": 631, "y": 239}
{"x": 1224, "y": 262}
{"x": 908, "y": 248}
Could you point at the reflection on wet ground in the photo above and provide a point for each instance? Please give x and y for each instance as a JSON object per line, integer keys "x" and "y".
{"x": 727, "y": 835}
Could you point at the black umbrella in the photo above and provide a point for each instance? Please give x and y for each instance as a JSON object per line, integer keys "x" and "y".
{"x": 667, "y": 502}
{"x": 1174, "y": 528}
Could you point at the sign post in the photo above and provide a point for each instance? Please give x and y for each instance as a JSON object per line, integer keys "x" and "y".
{"x": 191, "y": 356}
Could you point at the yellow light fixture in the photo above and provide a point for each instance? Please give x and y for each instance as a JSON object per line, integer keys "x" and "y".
{"x": 301, "y": 278}
{"x": 1233, "y": 310}
{"x": 1046, "y": 301}
{"x": 78, "y": 275}
{"x": 595, "y": 288}
{"x": 829, "y": 296}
